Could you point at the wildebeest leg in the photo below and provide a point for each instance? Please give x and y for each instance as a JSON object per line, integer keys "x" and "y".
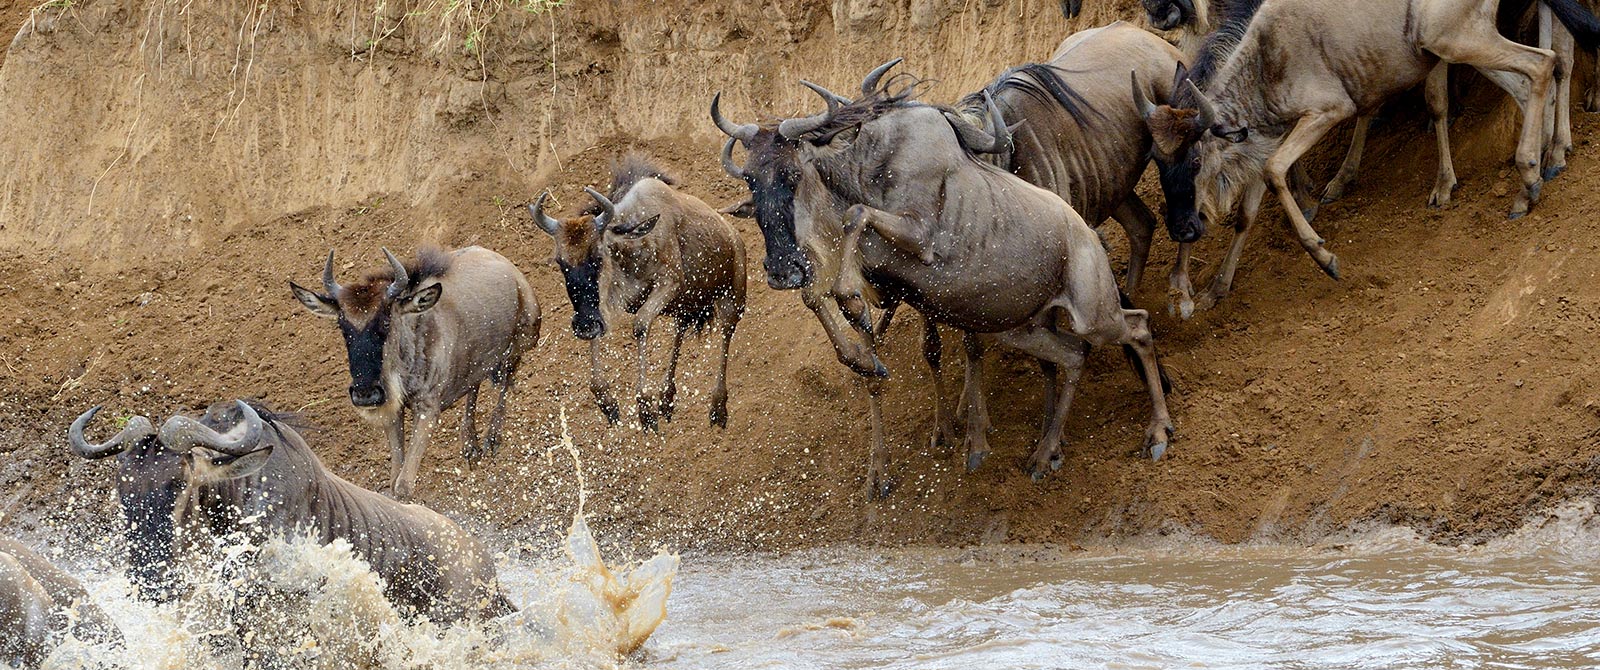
{"x": 395, "y": 432}
{"x": 977, "y": 438}
{"x": 1179, "y": 289}
{"x": 1139, "y": 223}
{"x": 1437, "y": 92}
{"x": 600, "y": 385}
{"x": 1139, "y": 338}
{"x": 652, "y": 308}
{"x": 860, "y": 358}
{"x": 1300, "y": 182}
{"x": 1052, "y": 385}
{"x": 1558, "y": 118}
{"x": 1352, "y": 162}
{"x": 424, "y": 421}
{"x": 497, "y": 420}
{"x": 1222, "y": 281}
{"x": 669, "y": 386}
{"x": 728, "y": 314}
{"x": 1477, "y": 43}
{"x": 879, "y": 483}
{"x": 1068, "y": 358}
{"x": 469, "y": 427}
{"x": 1307, "y": 132}
{"x": 1591, "y": 102}
{"x": 933, "y": 352}
{"x": 909, "y": 234}
{"x": 890, "y": 306}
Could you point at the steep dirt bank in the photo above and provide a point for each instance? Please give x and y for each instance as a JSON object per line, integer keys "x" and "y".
{"x": 1446, "y": 383}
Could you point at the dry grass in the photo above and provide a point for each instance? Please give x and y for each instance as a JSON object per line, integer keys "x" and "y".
{"x": 453, "y": 25}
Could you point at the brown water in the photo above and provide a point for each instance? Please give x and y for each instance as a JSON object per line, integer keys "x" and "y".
{"x": 1381, "y": 599}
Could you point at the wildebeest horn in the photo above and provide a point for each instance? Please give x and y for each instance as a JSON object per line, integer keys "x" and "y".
{"x": 997, "y": 124}
{"x": 608, "y": 211}
{"x": 138, "y": 427}
{"x": 546, "y": 222}
{"x": 743, "y": 133}
{"x": 1140, "y": 102}
{"x": 869, "y": 85}
{"x": 401, "y": 279}
{"x": 835, "y": 101}
{"x": 728, "y": 165}
{"x": 1208, "y": 109}
{"x": 328, "y": 284}
{"x": 181, "y": 434}
{"x": 794, "y": 128}
{"x": 996, "y": 139}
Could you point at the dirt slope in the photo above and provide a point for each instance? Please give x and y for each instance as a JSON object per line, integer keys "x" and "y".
{"x": 1446, "y": 382}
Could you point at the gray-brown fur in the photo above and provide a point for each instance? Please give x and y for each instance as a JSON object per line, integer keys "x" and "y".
{"x": 428, "y": 563}
{"x": 649, "y": 250}
{"x": 38, "y": 603}
{"x": 463, "y": 317}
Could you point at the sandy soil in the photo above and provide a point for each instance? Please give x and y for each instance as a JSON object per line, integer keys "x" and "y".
{"x": 1446, "y": 383}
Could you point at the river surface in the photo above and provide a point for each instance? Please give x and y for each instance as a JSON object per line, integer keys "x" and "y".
{"x": 1382, "y": 600}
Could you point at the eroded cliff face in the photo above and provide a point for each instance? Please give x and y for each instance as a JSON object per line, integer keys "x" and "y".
{"x": 142, "y": 128}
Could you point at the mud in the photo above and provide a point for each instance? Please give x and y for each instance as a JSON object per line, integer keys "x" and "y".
{"x": 168, "y": 168}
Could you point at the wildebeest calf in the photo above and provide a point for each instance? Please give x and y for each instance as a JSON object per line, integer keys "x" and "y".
{"x": 649, "y": 250}
{"x": 421, "y": 337}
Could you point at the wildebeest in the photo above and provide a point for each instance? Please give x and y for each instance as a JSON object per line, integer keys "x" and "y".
{"x": 649, "y": 250}
{"x": 1264, "y": 84}
{"x": 242, "y": 469}
{"x": 421, "y": 337}
{"x": 968, "y": 245}
{"x": 39, "y": 600}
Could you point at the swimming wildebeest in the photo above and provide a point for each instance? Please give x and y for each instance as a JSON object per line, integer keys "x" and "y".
{"x": 242, "y": 469}
{"x": 649, "y": 250}
{"x": 966, "y": 244}
{"x": 1269, "y": 100}
{"x": 421, "y": 337}
{"x": 39, "y": 600}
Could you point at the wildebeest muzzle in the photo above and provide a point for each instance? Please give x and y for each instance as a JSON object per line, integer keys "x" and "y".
{"x": 788, "y": 273}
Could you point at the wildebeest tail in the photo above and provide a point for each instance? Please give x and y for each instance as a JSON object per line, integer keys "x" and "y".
{"x": 1583, "y": 25}
{"x": 1133, "y": 356}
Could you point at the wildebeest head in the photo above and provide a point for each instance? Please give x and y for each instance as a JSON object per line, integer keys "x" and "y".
{"x": 1170, "y": 14}
{"x": 366, "y": 312}
{"x": 772, "y": 174}
{"x": 1175, "y": 134}
{"x": 579, "y": 252}
{"x": 156, "y": 470}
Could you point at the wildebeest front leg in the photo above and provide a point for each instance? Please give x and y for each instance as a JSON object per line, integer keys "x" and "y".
{"x": 728, "y": 314}
{"x": 977, "y": 438}
{"x": 1591, "y": 102}
{"x": 669, "y": 384}
{"x": 909, "y": 234}
{"x": 933, "y": 352}
{"x": 861, "y": 358}
{"x": 1305, "y": 135}
{"x": 1046, "y": 456}
{"x": 470, "y": 451}
{"x": 1558, "y": 110}
{"x": 395, "y": 432}
{"x": 1437, "y": 92}
{"x": 652, "y": 308}
{"x": 424, "y": 421}
{"x": 1352, "y": 162}
{"x": 1139, "y": 223}
{"x": 1139, "y": 338}
{"x": 600, "y": 384}
{"x": 1180, "y": 289}
{"x": 1222, "y": 281}
{"x": 879, "y": 482}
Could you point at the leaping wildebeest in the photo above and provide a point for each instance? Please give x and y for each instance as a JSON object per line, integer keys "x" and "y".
{"x": 242, "y": 469}
{"x": 39, "y": 600}
{"x": 422, "y": 336}
{"x": 967, "y": 244}
{"x": 1270, "y": 98}
{"x": 649, "y": 250}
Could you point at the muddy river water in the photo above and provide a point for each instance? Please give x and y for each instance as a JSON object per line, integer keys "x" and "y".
{"x": 1378, "y": 600}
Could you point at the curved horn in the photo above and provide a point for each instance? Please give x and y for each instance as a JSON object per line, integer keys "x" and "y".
{"x": 1140, "y": 102}
{"x": 869, "y": 86}
{"x": 743, "y": 133}
{"x": 546, "y": 222}
{"x": 1208, "y": 109}
{"x": 728, "y": 165}
{"x": 835, "y": 101}
{"x": 993, "y": 140}
{"x": 997, "y": 124}
{"x": 793, "y": 128}
{"x": 181, "y": 434}
{"x": 608, "y": 211}
{"x": 138, "y": 428}
{"x": 328, "y": 284}
{"x": 401, "y": 278}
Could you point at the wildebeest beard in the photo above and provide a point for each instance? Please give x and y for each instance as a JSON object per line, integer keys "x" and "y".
{"x": 583, "y": 289}
{"x": 773, "y": 180}
{"x": 149, "y": 481}
{"x": 364, "y": 346}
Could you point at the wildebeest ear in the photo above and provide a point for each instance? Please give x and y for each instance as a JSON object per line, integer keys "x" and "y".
{"x": 422, "y": 300}
{"x": 215, "y": 466}
{"x": 317, "y": 303}
{"x": 639, "y": 229}
{"x": 745, "y": 209}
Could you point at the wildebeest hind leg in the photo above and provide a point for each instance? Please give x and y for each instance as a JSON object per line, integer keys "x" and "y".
{"x": 471, "y": 451}
{"x": 728, "y": 315}
{"x": 879, "y": 482}
{"x": 1558, "y": 111}
{"x": 1351, "y": 167}
{"x": 944, "y": 432}
{"x": 1437, "y": 92}
{"x": 1139, "y": 338}
{"x": 977, "y": 437}
{"x": 669, "y": 384}
{"x": 1139, "y": 223}
{"x": 1305, "y": 135}
{"x": 497, "y": 420}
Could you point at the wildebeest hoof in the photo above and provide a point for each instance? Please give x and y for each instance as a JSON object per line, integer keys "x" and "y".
{"x": 1157, "y": 451}
{"x": 1332, "y": 267}
{"x": 647, "y": 415}
{"x": 667, "y": 404}
{"x": 1534, "y": 190}
{"x": 975, "y": 460}
{"x": 1553, "y": 171}
{"x": 612, "y": 412}
{"x": 879, "y": 488}
{"x": 719, "y": 413}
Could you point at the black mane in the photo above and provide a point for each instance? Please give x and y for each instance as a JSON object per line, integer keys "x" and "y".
{"x": 1216, "y": 49}
{"x": 1043, "y": 83}
{"x": 632, "y": 168}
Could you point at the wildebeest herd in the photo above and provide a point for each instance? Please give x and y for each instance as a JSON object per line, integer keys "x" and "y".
{"x": 981, "y": 215}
